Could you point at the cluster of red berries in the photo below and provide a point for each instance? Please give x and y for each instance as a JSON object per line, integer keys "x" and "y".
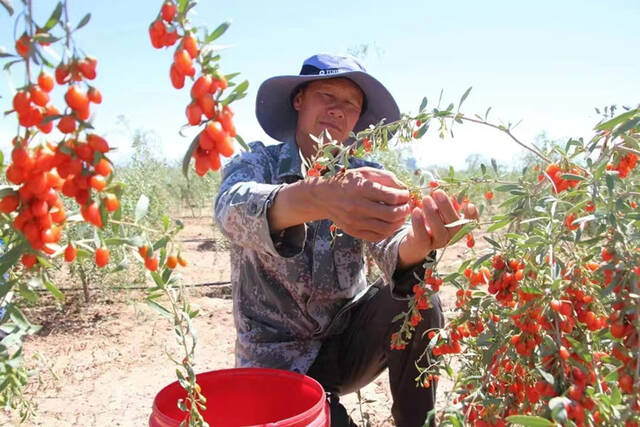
{"x": 366, "y": 144}
{"x": 217, "y": 137}
{"x": 316, "y": 169}
{"x": 74, "y": 167}
{"x": 505, "y": 279}
{"x": 560, "y": 184}
{"x": 625, "y": 164}
{"x": 161, "y": 32}
{"x": 151, "y": 262}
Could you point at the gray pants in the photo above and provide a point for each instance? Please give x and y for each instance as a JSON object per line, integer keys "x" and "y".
{"x": 354, "y": 358}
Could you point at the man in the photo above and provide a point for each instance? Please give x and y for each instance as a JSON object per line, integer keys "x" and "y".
{"x": 301, "y": 300}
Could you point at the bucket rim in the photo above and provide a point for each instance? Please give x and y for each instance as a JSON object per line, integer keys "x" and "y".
{"x": 245, "y": 371}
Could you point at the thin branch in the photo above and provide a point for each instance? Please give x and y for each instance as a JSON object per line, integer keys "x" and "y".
{"x": 508, "y": 132}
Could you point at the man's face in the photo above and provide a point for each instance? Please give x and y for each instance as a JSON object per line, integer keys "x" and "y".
{"x": 332, "y": 104}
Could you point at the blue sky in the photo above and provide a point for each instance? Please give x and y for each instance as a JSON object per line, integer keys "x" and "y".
{"x": 545, "y": 63}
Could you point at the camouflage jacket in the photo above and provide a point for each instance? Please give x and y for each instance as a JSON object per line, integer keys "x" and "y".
{"x": 293, "y": 289}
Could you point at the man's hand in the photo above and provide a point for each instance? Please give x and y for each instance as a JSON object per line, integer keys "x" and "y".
{"x": 428, "y": 231}
{"x": 366, "y": 203}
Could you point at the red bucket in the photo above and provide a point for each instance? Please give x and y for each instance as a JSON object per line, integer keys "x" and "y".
{"x": 249, "y": 397}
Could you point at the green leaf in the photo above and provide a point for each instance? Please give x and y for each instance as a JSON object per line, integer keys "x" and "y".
{"x": 482, "y": 259}
{"x": 161, "y": 243}
{"x": 6, "y": 190}
{"x": 397, "y": 317}
{"x": 239, "y": 92}
{"x": 26, "y": 292}
{"x": 141, "y": 207}
{"x": 218, "y": 32}
{"x": 630, "y": 124}
{"x": 461, "y": 221}
{"x": 616, "y": 120}
{"x": 530, "y": 421}
{"x": 498, "y": 225}
{"x": 156, "y": 278}
{"x": 5, "y": 54}
{"x": 451, "y": 277}
{"x": 8, "y": 259}
{"x": 449, "y": 370}
{"x": 59, "y": 296}
{"x": 242, "y": 143}
{"x": 616, "y": 397}
{"x": 557, "y": 406}
{"x": 84, "y": 21}
{"x": 423, "y": 104}
{"x": 530, "y": 290}
{"x": 464, "y": 96}
{"x": 18, "y": 317}
{"x": 136, "y": 241}
{"x": 160, "y": 309}
{"x": 573, "y": 177}
{"x": 494, "y": 164}
{"x": 462, "y": 232}
{"x": 51, "y": 118}
{"x": 230, "y": 76}
{"x": 492, "y": 242}
{"x": 508, "y": 188}
{"x": 547, "y": 376}
{"x": 187, "y": 156}
{"x": 7, "y": 5}
{"x": 45, "y": 38}
{"x": 9, "y": 64}
{"x": 182, "y": 4}
{"x": 610, "y": 180}
{"x": 54, "y": 18}
{"x": 166, "y": 274}
{"x": 422, "y": 130}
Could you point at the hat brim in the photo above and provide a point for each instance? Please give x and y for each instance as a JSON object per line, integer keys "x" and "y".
{"x": 278, "y": 118}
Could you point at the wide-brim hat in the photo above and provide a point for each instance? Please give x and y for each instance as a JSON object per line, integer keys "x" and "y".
{"x": 275, "y": 111}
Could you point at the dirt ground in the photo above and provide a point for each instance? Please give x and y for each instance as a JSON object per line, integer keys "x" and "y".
{"x": 102, "y": 363}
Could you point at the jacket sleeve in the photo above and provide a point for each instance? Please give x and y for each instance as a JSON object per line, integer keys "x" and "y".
{"x": 243, "y": 201}
{"x": 385, "y": 254}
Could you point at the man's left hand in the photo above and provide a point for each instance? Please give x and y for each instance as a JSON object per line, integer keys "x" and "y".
{"x": 428, "y": 231}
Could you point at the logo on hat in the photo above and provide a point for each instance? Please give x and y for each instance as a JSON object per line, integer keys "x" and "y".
{"x": 329, "y": 71}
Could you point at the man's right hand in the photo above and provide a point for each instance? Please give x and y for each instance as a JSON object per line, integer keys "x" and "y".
{"x": 366, "y": 203}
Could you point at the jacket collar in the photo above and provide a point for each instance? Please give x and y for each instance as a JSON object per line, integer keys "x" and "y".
{"x": 291, "y": 168}
{"x": 289, "y": 162}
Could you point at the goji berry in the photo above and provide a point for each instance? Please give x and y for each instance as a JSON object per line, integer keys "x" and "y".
{"x": 70, "y": 253}
{"x": 102, "y": 257}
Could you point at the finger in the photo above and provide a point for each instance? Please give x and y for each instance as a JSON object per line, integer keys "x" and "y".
{"x": 382, "y": 194}
{"x": 434, "y": 221}
{"x": 419, "y": 226}
{"x": 446, "y": 210}
{"x": 376, "y": 227}
{"x": 470, "y": 211}
{"x": 384, "y": 177}
{"x": 388, "y": 213}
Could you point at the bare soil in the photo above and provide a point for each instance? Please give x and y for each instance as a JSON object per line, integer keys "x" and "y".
{"x": 102, "y": 363}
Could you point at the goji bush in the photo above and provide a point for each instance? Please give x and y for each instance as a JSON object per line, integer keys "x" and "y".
{"x": 545, "y": 327}
{"x": 62, "y": 201}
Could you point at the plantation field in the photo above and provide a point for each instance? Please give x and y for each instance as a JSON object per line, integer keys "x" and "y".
{"x": 102, "y": 363}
